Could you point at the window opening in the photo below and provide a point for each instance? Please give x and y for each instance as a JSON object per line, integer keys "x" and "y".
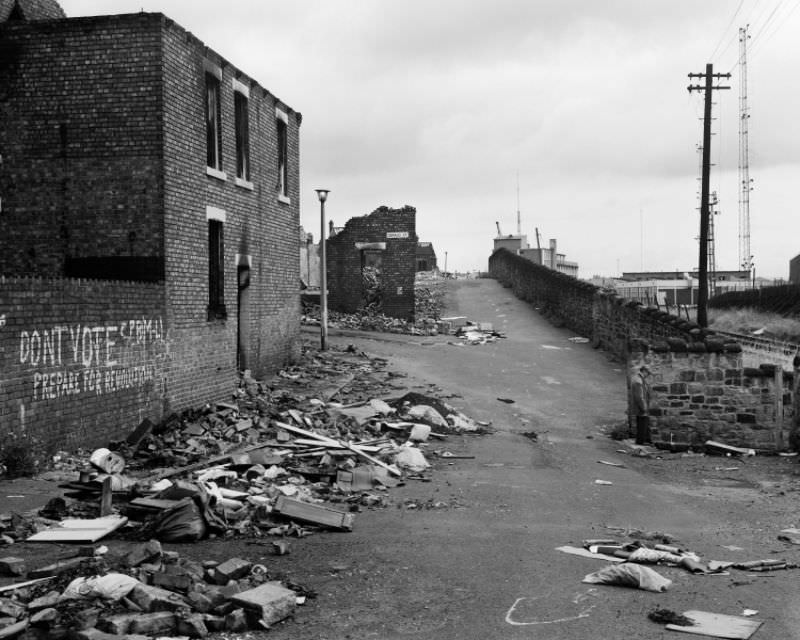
{"x": 283, "y": 152}
{"x": 213, "y": 123}
{"x": 216, "y": 271}
{"x": 242, "y": 136}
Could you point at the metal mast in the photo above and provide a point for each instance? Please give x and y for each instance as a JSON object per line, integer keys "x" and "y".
{"x": 745, "y": 257}
{"x": 712, "y": 258}
{"x": 519, "y": 220}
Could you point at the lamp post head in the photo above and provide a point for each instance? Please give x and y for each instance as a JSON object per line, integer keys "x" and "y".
{"x": 322, "y": 194}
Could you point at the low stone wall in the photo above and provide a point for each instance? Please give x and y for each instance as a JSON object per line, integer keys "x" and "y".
{"x": 607, "y": 319}
{"x": 701, "y": 391}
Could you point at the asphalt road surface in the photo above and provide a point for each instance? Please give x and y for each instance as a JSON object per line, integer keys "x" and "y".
{"x": 484, "y": 564}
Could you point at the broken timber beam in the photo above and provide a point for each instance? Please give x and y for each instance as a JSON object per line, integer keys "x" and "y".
{"x": 337, "y": 443}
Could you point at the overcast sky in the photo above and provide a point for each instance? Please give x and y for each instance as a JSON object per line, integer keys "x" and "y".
{"x": 447, "y": 105}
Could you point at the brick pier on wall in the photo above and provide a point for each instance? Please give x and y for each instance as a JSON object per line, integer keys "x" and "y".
{"x": 700, "y": 391}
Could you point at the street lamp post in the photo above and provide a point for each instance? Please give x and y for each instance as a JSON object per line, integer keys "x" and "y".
{"x": 322, "y": 194}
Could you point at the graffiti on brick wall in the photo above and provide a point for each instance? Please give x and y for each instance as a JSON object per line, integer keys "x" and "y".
{"x": 73, "y": 359}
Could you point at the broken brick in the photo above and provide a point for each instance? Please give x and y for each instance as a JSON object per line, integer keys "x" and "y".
{"x": 192, "y": 625}
{"x": 236, "y": 620}
{"x": 156, "y": 599}
{"x": 232, "y": 569}
{"x": 141, "y": 553}
{"x": 272, "y": 601}
{"x": 11, "y": 566}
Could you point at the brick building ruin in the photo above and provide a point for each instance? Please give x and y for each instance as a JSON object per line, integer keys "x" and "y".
{"x": 150, "y": 215}
{"x": 371, "y": 262}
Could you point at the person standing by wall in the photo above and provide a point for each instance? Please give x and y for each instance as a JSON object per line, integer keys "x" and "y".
{"x": 640, "y": 403}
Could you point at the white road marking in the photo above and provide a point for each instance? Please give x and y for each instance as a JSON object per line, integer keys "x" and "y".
{"x": 578, "y": 599}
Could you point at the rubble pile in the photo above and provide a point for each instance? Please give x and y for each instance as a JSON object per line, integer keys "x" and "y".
{"x": 475, "y": 334}
{"x": 146, "y": 592}
{"x": 428, "y": 303}
{"x": 428, "y": 297}
{"x": 302, "y": 454}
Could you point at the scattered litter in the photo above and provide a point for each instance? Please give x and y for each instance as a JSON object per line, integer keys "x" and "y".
{"x": 603, "y": 482}
{"x": 412, "y": 459}
{"x": 720, "y": 448}
{"x": 578, "y": 340}
{"x": 667, "y": 616}
{"x": 750, "y": 612}
{"x": 611, "y": 464}
{"x": 630, "y": 575}
{"x": 585, "y": 553}
{"x": 448, "y": 454}
{"x": 718, "y": 625}
{"x": 791, "y": 538}
{"x": 506, "y": 400}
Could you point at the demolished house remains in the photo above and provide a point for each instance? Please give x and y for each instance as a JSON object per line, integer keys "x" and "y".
{"x": 303, "y": 455}
{"x": 150, "y": 223}
{"x": 371, "y": 263}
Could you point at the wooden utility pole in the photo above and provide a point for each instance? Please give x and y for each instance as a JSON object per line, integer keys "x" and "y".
{"x": 702, "y": 299}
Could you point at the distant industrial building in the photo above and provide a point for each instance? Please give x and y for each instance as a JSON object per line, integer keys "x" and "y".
{"x": 677, "y": 287}
{"x": 794, "y": 270}
{"x": 426, "y": 257}
{"x": 545, "y": 256}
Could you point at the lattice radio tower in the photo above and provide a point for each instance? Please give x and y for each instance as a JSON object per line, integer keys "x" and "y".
{"x": 745, "y": 183}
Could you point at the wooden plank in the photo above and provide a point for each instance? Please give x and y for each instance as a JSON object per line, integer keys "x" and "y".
{"x": 73, "y": 530}
{"x": 335, "y": 443}
{"x": 22, "y": 585}
{"x": 314, "y": 513}
{"x": 106, "y": 497}
{"x": 721, "y": 447}
{"x": 718, "y": 625}
{"x": 50, "y": 570}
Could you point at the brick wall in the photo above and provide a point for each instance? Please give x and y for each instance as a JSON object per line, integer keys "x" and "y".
{"x": 397, "y": 229}
{"x": 81, "y": 142}
{"x": 81, "y": 362}
{"x": 260, "y": 230}
{"x": 700, "y": 391}
{"x": 102, "y": 133}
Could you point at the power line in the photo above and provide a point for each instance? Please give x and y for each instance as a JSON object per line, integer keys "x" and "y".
{"x": 769, "y": 19}
{"x": 758, "y": 40}
{"x": 733, "y": 17}
{"x": 780, "y": 23}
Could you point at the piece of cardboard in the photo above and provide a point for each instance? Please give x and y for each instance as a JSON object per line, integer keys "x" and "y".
{"x": 718, "y": 625}
{"x": 80, "y": 530}
{"x": 585, "y": 553}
